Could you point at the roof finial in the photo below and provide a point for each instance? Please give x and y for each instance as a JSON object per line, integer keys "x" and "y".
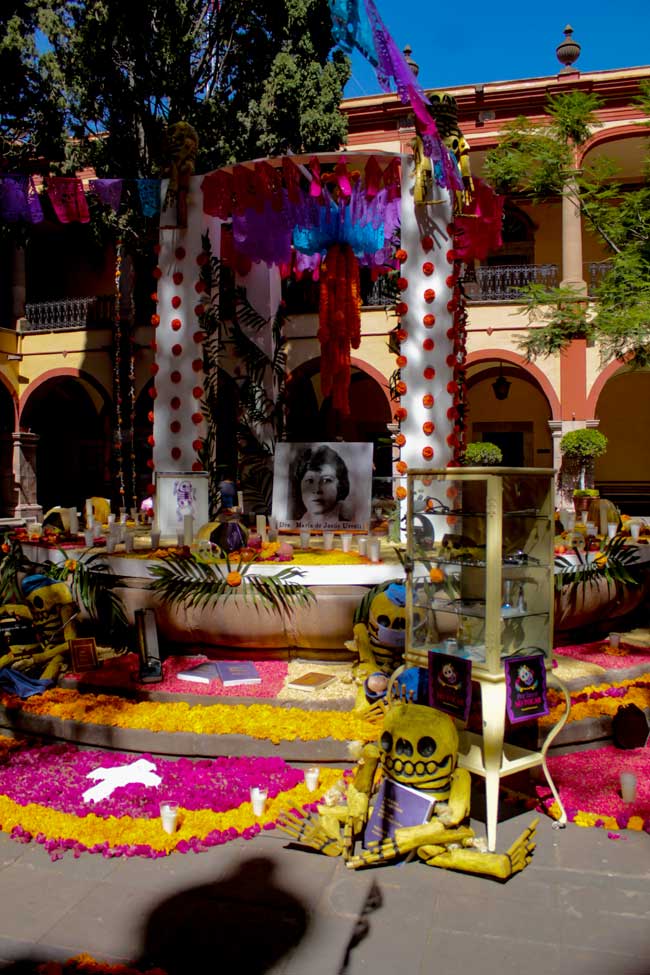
{"x": 568, "y": 51}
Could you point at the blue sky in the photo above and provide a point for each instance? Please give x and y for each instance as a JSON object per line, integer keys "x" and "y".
{"x": 457, "y": 44}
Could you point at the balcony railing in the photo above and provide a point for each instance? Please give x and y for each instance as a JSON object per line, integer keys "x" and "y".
{"x": 505, "y": 282}
{"x": 47, "y": 316}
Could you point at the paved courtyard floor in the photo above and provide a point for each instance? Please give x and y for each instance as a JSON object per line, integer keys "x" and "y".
{"x": 581, "y": 908}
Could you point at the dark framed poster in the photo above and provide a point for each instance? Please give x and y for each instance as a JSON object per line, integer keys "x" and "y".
{"x": 323, "y": 486}
{"x": 526, "y": 696}
{"x": 450, "y": 684}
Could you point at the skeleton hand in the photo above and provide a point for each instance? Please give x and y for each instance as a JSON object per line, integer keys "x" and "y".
{"x": 407, "y": 839}
{"x": 521, "y": 852}
{"x": 309, "y": 832}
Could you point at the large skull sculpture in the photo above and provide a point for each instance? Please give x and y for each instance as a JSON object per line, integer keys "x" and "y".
{"x": 419, "y": 748}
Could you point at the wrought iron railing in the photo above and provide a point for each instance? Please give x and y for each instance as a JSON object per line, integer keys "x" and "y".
{"x": 595, "y": 271}
{"x": 46, "y": 316}
{"x": 505, "y": 282}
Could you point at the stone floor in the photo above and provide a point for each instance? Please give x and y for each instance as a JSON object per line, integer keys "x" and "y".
{"x": 581, "y": 908}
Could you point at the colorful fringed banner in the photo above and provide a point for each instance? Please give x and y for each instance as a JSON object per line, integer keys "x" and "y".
{"x": 19, "y": 200}
{"x": 339, "y": 322}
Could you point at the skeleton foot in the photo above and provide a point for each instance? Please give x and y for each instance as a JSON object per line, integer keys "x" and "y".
{"x": 310, "y": 832}
{"x": 499, "y": 865}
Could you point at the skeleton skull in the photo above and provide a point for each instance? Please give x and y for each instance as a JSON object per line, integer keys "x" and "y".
{"x": 51, "y": 604}
{"x": 419, "y": 748}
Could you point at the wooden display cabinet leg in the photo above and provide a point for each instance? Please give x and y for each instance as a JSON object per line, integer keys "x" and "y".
{"x": 493, "y": 703}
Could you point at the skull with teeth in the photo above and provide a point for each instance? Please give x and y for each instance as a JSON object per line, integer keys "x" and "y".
{"x": 418, "y": 748}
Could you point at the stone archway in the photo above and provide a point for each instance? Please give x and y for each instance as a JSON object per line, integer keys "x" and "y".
{"x": 310, "y": 416}
{"x": 623, "y": 409}
{"x": 73, "y": 454}
{"x": 518, "y": 424}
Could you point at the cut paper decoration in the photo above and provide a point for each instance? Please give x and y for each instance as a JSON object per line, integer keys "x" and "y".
{"x": 108, "y": 191}
{"x": 68, "y": 199}
{"x": 217, "y": 194}
{"x": 19, "y": 200}
{"x": 142, "y": 772}
{"x": 149, "y": 195}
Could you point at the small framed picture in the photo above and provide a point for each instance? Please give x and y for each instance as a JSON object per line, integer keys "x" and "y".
{"x": 179, "y": 494}
{"x": 84, "y": 654}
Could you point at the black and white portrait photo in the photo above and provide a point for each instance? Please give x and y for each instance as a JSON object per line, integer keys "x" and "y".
{"x": 322, "y": 485}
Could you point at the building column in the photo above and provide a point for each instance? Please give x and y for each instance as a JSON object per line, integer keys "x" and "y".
{"x": 24, "y": 470}
{"x": 572, "y": 276}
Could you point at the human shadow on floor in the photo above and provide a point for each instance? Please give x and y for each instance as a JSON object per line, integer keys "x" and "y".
{"x": 242, "y": 922}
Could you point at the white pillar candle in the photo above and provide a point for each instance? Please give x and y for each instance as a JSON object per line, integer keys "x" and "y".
{"x": 73, "y": 519}
{"x": 304, "y": 539}
{"x": 89, "y": 513}
{"x": 363, "y": 544}
{"x": 258, "y": 800}
{"x": 628, "y": 786}
{"x": 346, "y": 541}
{"x": 260, "y": 525}
{"x": 88, "y": 537}
{"x": 311, "y": 778}
{"x": 328, "y": 541}
{"x": 169, "y": 816}
{"x": 128, "y": 542}
{"x": 373, "y": 549}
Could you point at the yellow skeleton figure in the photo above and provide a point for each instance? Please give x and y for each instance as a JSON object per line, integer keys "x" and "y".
{"x": 418, "y": 748}
{"x": 51, "y": 609}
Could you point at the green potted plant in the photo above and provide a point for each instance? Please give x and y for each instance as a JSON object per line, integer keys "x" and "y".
{"x": 482, "y": 454}
{"x": 580, "y": 448}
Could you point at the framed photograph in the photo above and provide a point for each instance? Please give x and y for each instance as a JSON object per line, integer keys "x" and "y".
{"x": 324, "y": 486}
{"x": 179, "y": 494}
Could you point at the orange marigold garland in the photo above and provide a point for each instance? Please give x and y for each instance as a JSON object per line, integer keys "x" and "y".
{"x": 339, "y": 322}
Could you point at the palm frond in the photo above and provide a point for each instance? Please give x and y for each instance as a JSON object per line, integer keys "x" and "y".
{"x": 615, "y": 567}
{"x": 188, "y": 582}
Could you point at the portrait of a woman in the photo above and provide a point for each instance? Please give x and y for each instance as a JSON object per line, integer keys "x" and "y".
{"x": 321, "y": 487}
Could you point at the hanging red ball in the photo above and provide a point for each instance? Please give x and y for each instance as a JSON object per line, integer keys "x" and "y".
{"x": 150, "y": 465}
{"x": 197, "y": 465}
{"x": 155, "y": 320}
{"x": 401, "y": 255}
{"x": 153, "y": 392}
{"x": 151, "y": 441}
{"x": 150, "y": 416}
{"x": 153, "y": 369}
{"x": 400, "y": 440}
{"x": 202, "y": 259}
{"x": 401, "y": 361}
{"x": 199, "y": 310}
{"x": 400, "y": 414}
{"x": 150, "y": 489}
{"x": 200, "y": 286}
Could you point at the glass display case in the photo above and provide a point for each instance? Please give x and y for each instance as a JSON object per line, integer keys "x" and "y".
{"x": 479, "y": 583}
{"x": 480, "y": 565}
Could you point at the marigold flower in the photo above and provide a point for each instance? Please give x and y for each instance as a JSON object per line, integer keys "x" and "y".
{"x": 428, "y": 345}
{"x": 401, "y": 255}
{"x": 428, "y": 427}
{"x": 401, "y": 413}
{"x": 427, "y": 242}
{"x": 429, "y": 295}
{"x": 429, "y": 321}
{"x": 427, "y": 268}
{"x": 401, "y": 361}
{"x": 436, "y": 575}
{"x": 401, "y": 467}
{"x": 429, "y": 373}
{"x": 400, "y": 440}
{"x": 402, "y": 284}
{"x": 176, "y": 301}
{"x": 427, "y": 453}
{"x": 401, "y": 308}
{"x": 401, "y": 387}
{"x": 400, "y": 493}
{"x": 234, "y": 579}
{"x": 427, "y": 400}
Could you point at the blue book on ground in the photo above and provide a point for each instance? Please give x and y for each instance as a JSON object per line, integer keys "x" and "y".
{"x": 234, "y": 672}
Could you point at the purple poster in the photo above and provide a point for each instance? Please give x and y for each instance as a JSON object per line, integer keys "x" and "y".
{"x": 526, "y": 688}
{"x": 450, "y": 684}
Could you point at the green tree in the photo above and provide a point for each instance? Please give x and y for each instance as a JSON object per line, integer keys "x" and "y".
{"x": 539, "y": 162}
{"x": 253, "y": 78}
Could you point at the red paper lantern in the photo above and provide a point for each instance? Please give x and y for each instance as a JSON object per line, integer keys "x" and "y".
{"x": 401, "y": 308}
{"x": 452, "y": 413}
{"x": 401, "y": 255}
{"x": 155, "y": 320}
{"x": 197, "y": 444}
{"x": 199, "y": 337}
{"x": 452, "y": 387}
{"x": 150, "y": 465}
{"x": 151, "y": 441}
{"x": 401, "y": 413}
{"x": 401, "y": 467}
{"x": 200, "y": 286}
{"x": 150, "y": 416}
{"x": 401, "y": 335}
{"x": 199, "y": 310}
{"x": 400, "y": 387}
{"x": 153, "y": 392}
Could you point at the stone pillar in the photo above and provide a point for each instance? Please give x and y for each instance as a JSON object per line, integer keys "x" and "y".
{"x": 24, "y": 468}
{"x": 572, "y": 237}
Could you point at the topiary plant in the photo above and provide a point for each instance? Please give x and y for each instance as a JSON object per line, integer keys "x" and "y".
{"x": 581, "y": 448}
{"x": 482, "y": 454}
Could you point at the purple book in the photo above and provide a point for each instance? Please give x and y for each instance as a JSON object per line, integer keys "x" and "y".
{"x": 396, "y": 806}
{"x": 234, "y": 672}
